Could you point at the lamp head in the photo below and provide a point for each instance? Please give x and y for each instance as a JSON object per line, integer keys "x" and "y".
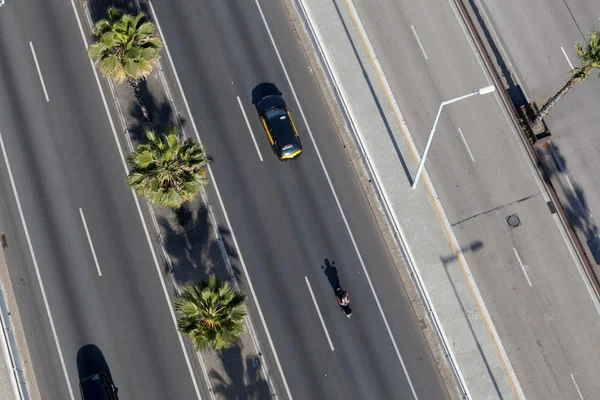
{"x": 487, "y": 89}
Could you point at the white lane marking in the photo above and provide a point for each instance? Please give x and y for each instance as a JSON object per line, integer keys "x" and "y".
{"x": 467, "y": 271}
{"x": 567, "y": 57}
{"x": 37, "y": 269}
{"x": 577, "y": 387}
{"x": 139, "y": 209}
{"x": 89, "y": 237}
{"x": 249, "y": 128}
{"x": 538, "y": 180}
{"x": 225, "y": 215}
{"x": 466, "y": 145}
{"x": 522, "y": 266}
{"x": 337, "y": 201}
{"x": 319, "y": 312}
{"x": 419, "y": 41}
{"x": 39, "y": 71}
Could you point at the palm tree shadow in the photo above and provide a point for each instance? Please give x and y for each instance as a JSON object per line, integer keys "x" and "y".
{"x": 238, "y": 371}
{"x": 576, "y": 206}
{"x": 190, "y": 242}
{"x": 98, "y": 8}
{"x": 162, "y": 116}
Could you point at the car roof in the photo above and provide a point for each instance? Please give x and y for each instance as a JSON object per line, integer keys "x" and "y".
{"x": 269, "y": 102}
{"x": 282, "y": 128}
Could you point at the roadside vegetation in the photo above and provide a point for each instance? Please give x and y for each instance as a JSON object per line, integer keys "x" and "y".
{"x": 589, "y": 56}
{"x": 125, "y": 48}
{"x": 168, "y": 170}
{"x": 213, "y": 314}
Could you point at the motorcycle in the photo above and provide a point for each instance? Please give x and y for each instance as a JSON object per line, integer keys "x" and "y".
{"x": 343, "y": 299}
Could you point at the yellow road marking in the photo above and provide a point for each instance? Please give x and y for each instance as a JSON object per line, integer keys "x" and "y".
{"x": 360, "y": 34}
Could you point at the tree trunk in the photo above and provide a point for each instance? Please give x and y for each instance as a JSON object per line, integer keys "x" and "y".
{"x": 137, "y": 91}
{"x": 537, "y": 121}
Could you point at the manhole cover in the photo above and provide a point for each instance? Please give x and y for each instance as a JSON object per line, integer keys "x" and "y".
{"x": 513, "y": 221}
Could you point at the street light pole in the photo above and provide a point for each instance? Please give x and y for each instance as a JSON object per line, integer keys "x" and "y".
{"x": 484, "y": 90}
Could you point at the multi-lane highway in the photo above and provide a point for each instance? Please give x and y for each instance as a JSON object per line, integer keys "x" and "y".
{"x": 545, "y": 314}
{"x": 538, "y": 55}
{"x": 65, "y": 162}
{"x": 100, "y": 282}
{"x": 285, "y": 215}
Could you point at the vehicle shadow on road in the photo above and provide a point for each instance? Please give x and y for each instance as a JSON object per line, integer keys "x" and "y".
{"x": 90, "y": 360}
{"x": 264, "y": 89}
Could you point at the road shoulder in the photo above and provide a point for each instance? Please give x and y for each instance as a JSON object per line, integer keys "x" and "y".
{"x": 18, "y": 362}
{"x": 373, "y": 198}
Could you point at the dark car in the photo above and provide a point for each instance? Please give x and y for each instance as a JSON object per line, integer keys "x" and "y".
{"x": 280, "y": 128}
{"x": 98, "y": 387}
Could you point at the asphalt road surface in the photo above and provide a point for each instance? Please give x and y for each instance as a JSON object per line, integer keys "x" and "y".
{"x": 63, "y": 160}
{"x": 285, "y": 215}
{"x": 543, "y": 311}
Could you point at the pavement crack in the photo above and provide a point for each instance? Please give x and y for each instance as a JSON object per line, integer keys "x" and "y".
{"x": 493, "y": 209}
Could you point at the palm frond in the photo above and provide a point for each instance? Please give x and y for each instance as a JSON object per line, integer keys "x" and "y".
{"x": 168, "y": 170}
{"x": 129, "y": 41}
{"x": 213, "y": 313}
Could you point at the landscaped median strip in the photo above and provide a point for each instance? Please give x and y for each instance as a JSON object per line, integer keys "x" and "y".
{"x": 176, "y": 229}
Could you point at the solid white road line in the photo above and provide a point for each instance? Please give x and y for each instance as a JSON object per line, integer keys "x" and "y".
{"x": 445, "y": 222}
{"x": 567, "y": 57}
{"x": 87, "y": 232}
{"x": 419, "y": 41}
{"x": 37, "y": 269}
{"x": 37, "y": 66}
{"x": 249, "y": 128}
{"x": 337, "y": 201}
{"x": 466, "y": 145}
{"x": 225, "y": 215}
{"x": 139, "y": 209}
{"x": 319, "y": 312}
{"x": 577, "y": 387}
{"x": 522, "y": 266}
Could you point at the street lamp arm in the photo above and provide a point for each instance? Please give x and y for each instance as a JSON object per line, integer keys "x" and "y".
{"x": 484, "y": 90}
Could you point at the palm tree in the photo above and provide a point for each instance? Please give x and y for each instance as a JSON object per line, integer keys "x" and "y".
{"x": 590, "y": 60}
{"x": 212, "y": 313}
{"x": 126, "y": 48}
{"x": 167, "y": 170}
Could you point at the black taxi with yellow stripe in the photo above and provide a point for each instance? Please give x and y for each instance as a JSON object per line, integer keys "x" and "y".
{"x": 279, "y": 126}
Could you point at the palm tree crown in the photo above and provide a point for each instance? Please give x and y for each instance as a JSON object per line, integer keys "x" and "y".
{"x": 590, "y": 60}
{"x": 213, "y": 313}
{"x": 126, "y": 46}
{"x": 167, "y": 170}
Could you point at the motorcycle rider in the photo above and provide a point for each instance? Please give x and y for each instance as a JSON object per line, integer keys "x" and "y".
{"x": 342, "y": 297}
